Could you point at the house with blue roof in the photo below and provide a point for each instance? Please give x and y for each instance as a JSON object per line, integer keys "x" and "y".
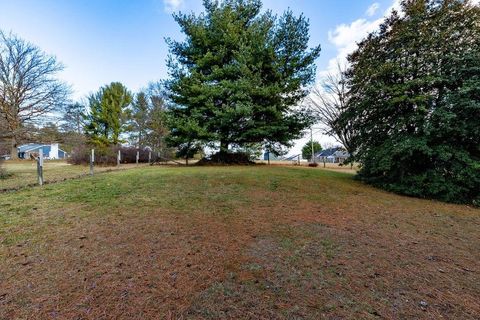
{"x": 332, "y": 155}
{"x": 50, "y": 151}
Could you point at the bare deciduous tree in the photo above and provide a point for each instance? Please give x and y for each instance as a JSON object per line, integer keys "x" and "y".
{"x": 327, "y": 101}
{"x": 29, "y": 89}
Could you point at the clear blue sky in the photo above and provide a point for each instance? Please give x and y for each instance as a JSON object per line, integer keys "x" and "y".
{"x": 100, "y": 41}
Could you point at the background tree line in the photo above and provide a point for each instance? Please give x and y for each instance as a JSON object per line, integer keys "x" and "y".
{"x": 406, "y": 106}
{"x": 35, "y": 107}
{"x": 233, "y": 91}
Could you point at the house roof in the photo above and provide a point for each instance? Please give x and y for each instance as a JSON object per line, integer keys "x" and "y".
{"x": 336, "y": 152}
{"x": 29, "y": 147}
{"x": 34, "y": 146}
{"x": 341, "y": 154}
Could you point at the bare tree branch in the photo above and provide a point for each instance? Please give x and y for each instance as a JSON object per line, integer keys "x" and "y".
{"x": 29, "y": 89}
{"x": 327, "y": 101}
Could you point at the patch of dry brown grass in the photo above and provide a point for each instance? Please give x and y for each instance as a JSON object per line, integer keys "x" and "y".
{"x": 235, "y": 242}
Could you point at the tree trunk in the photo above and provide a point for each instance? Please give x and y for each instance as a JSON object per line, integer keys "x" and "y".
{"x": 223, "y": 151}
{"x": 14, "y": 150}
{"x": 223, "y": 147}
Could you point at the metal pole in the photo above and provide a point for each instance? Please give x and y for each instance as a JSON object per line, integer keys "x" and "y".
{"x": 118, "y": 158}
{"x": 92, "y": 160}
{"x": 40, "y": 167}
{"x": 311, "y": 143}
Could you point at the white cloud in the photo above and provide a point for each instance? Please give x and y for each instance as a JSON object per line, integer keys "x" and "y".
{"x": 396, "y": 5}
{"x": 345, "y": 38}
{"x": 173, "y": 5}
{"x": 346, "y": 35}
{"x": 372, "y": 9}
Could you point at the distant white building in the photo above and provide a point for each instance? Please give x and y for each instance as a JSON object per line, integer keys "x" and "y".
{"x": 50, "y": 151}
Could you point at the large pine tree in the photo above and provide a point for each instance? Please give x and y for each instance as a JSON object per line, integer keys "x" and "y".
{"x": 238, "y": 75}
{"x": 415, "y": 101}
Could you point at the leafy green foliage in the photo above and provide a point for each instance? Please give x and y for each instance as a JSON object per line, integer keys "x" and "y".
{"x": 108, "y": 114}
{"x": 184, "y": 136}
{"x": 307, "y": 149}
{"x": 237, "y": 76}
{"x": 137, "y": 125}
{"x": 415, "y": 101}
{"x": 147, "y": 125}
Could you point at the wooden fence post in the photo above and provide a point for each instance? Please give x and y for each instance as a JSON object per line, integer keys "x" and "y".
{"x": 40, "y": 167}
{"x": 92, "y": 160}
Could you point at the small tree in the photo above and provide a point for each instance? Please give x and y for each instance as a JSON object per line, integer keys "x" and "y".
{"x": 307, "y": 149}
{"x": 72, "y": 127}
{"x": 328, "y": 101}
{"x": 157, "y": 123}
{"x": 139, "y": 118}
{"x": 148, "y": 120}
{"x": 108, "y": 114}
{"x": 73, "y": 118}
{"x": 29, "y": 89}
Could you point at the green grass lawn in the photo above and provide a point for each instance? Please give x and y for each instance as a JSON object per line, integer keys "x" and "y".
{"x": 253, "y": 242}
